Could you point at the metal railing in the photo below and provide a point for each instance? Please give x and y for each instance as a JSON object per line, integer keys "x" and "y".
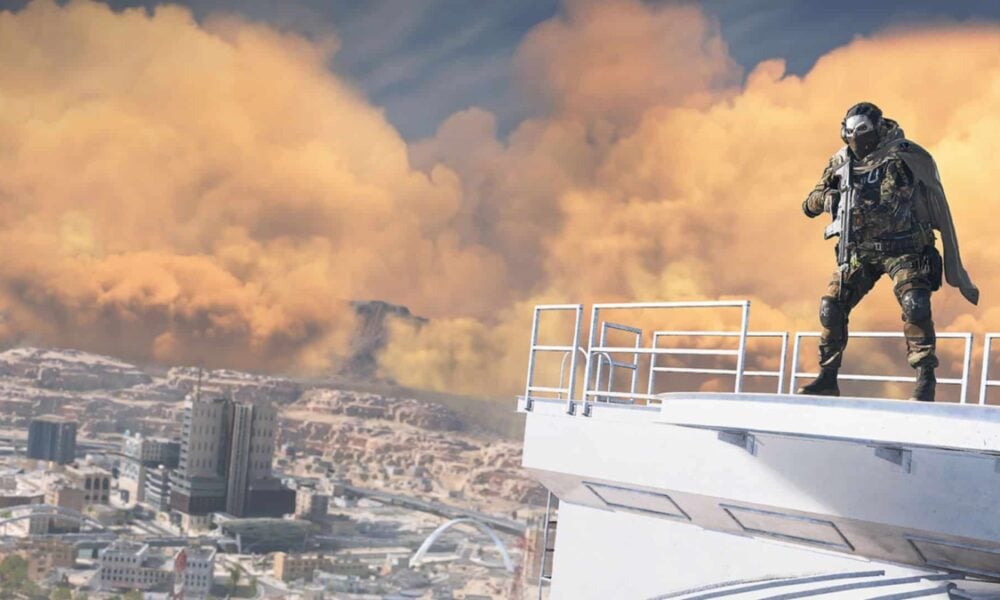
{"x": 962, "y": 381}
{"x": 779, "y": 374}
{"x": 614, "y": 364}
{"x": 530, "y": 389}
{"x": 592, "y": 385}
{"x": 562, "y": 369}
{"x": 598, "y": 388}
{"x": 985, "y": 382}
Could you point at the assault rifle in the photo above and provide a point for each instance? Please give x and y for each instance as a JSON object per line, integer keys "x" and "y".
{"x": 841, "y": 225}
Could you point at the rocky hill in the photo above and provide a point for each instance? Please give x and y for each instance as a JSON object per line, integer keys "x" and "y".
{"x": 394, "y": 442}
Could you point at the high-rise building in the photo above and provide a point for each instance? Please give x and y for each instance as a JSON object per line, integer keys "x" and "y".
{"x": 141, "y": 455}
{"x": 198, "y": 486}
{"x": 156, "y": 491}
{"x": 251, "y": 450}
{"x": 152, "y": 451}
{"x": 53, "y": 438}
{"x": 225, "y": 461}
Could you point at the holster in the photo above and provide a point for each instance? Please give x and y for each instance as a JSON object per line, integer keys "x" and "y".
{"x": 932, "y": 266}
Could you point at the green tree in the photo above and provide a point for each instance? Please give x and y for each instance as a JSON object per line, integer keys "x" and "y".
{"x": 133, "y": 595}
{"x": 234, "y": 578}
{"x": 13, "y": 570}
{"x": 61, "y": 593}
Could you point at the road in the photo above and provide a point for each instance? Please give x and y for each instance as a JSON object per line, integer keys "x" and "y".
{"x": 442, "y": 510}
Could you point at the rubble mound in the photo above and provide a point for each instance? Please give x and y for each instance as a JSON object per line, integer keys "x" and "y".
{"x": 72, "y": 370}
{"x": 424, "y": 415}
{"x": 235, "y": 384}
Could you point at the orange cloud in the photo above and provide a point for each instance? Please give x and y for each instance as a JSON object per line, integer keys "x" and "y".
{"x": 179, "y": 191}
{"x": 174, "y": 191}
{"x": 701, "y": 200}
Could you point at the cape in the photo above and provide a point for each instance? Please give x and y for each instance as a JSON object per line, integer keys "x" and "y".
{"x": 931, "y": 204}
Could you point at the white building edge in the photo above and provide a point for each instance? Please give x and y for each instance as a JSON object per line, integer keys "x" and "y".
{"x": 748, "y": 495}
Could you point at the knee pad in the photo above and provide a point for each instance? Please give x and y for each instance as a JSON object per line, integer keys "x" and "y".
{"x": 916, "y": 305}
{"x": 831, "y": 314}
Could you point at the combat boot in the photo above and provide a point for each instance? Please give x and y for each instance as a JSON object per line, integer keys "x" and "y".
{"x": 825, "y": 383}
{"x": 926, "y": 382}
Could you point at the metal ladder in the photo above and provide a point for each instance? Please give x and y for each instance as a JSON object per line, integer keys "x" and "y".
{"x": 548, "y": 543}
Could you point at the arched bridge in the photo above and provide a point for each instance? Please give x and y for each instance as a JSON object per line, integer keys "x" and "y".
{"x": 418, "y": 557}
{"x": 25, "y": 512}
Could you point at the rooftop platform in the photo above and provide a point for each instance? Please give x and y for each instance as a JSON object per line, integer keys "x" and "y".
{"x": 798, "y": 484}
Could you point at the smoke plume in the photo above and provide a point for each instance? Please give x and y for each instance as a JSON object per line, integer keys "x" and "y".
{"x": 181, "y": 191}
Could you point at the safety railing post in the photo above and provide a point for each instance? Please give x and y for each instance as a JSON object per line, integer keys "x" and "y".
{"x": 599, "y": 371}
{"x": 531, "y": 360}
{"x": 794, "y": 374}
{"x": 984, "y": 382}
{"x": 741, "y": 357}
{"x": 966, "y": 367}
{"x": 635, "y": 361}
{"x": 781, "y": 361}
{"x": 572, "y": 361}
{"x": 652, "y": 365}
{"x": 590, "y": 360}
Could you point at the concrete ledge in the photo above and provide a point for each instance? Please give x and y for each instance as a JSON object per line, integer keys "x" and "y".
{"x": 962, "y": 427}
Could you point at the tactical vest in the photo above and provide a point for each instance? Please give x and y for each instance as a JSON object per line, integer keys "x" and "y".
{"x": 884, "y": 210}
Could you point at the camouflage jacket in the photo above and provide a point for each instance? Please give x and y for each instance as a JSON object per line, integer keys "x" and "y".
{"x": 884, "y": 209}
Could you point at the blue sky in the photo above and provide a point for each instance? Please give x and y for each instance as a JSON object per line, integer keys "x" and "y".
{"x": 422, "y": 60}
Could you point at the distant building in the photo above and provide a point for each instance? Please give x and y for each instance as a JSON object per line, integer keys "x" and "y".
{"x": 94, "y": 481}
{"x": 297, "y": 567}
{"x": 311, "y": 505}
{"x": 43, "y": 556}
{"x": 52, "y": 438}
{"x": 156, "y": 492}
{"x": 262, "y": 535}
{"x": 195, "y": 568}
{"x": 225, "y": 461}
{"x": 251, "y": 446}
{"x": 198, "y": 486}
{"x": 127, "y": 565}
{"x": 16, "y": 491}
{"x": 152, "y": 451}
{"x": 132, "y": 481}
{"x": 142, "y": 454}
{"x": 63, "y": 495}
{"x": 269, "y": 498}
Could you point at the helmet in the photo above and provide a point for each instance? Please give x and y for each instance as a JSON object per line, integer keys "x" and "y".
{"x": 860, "y": 128}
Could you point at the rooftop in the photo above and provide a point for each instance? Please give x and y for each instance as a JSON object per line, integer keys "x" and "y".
{"x": 200, "y": 552}
{"x": 53, "y": 419}
{"x": 126, "y": 547}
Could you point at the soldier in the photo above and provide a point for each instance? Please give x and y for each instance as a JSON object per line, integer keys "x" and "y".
{"x": 899, "y": 203}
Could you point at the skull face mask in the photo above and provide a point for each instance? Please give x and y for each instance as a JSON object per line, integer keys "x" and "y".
{"x": 860, "y": 134}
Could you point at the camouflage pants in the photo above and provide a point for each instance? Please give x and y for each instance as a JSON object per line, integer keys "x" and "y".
{"x": 912, "y": 286}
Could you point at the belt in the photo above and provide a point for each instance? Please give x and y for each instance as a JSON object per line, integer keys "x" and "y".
{"x": 912, "y": 243}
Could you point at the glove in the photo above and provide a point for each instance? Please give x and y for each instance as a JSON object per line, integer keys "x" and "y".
{"x": 830, "y": 201}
